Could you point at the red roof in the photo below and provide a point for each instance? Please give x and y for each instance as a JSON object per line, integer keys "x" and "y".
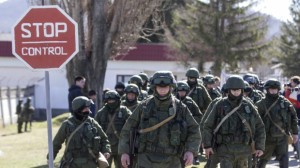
{"x": 5, "y": 49}
{"x": 148, "y": 52}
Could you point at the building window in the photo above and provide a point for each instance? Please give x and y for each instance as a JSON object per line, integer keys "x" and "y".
{"x": 123, "y": 78}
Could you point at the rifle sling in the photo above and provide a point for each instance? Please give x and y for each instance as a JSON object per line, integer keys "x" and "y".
{"x": 111, "y": 120}
{"x": 268, "y": 114}
{"x": 71, "y": 136}
{"x": 269, "y": 109}
{"x": 154, "y": 127}
{"x": 226, "y": 117}
{"x": 244, "y": 121}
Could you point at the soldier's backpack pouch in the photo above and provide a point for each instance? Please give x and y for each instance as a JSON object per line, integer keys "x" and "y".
{"x": 290, "y": 139}
{"x": 102, "y": 162}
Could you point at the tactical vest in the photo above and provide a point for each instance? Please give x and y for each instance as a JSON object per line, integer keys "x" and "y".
{"x": 86, "y": 137}
{"x": 167, "y": 139}
{"x": 233, "y": 131}
{"x": 118, "y": 123}
{"x": 213, "y": 93}
{"x": 196, "y": 96}
{"x": 189, "y": 103}
{"x": 280, "y": 115}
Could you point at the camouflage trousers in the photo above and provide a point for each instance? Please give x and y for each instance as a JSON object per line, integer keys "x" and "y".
{"x": 150, "y": 160}
{"x": 231, "y": 156}
{"x": 277, "y": 147}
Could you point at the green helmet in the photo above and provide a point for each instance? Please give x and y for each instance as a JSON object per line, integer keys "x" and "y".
{"x": 183, "y": 86}
{"x": 144, "y": 76}
{"x": 235, "y": 82}
{"x": 136, "y": 79}
{"x": 208, "y": 79}
{"x": 80, "y": 102}
{"x": 192, "y": 73}
{"x": 111, "y": 94}
{"x": 163, "y": 78}
{"x": 132, "y": 88}
{"x": 272, "y": 83}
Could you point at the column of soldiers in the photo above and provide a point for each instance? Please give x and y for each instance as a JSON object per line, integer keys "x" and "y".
{"x": 164, "y": 123}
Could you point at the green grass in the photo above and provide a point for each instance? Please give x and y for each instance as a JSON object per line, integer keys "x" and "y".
{"x": 29, "y": 149}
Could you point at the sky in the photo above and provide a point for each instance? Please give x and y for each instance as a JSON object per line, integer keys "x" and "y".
{"x": 277, "y": 8}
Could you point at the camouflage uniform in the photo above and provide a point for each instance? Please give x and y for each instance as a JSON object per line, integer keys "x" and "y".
{"x": 284, "y": 115}
{"x": 198, "y": 92}
{"x": 118, "y": 114}
{"x": 131, "y": 104}
{"x": 28, "y": 110}
{"x": 90, "y": 135}
{"x": 251, "y": 93}
{"x": 161, "y": 147}
{"x": 136, "y": 79}
{"x": 20, "y": 116}
{"x": 213, "y": 92}
{"x": 231, "y": 143}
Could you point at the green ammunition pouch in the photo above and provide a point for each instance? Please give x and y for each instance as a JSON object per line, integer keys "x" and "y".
{"x": 171, "y": 144}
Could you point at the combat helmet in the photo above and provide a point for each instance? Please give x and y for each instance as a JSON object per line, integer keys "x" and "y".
{"x": 144, "y": 76}
{"x": 136, "y": 79}
{"x": 183, "y": 86}
{"x": 235, "y": 82}
{"x": 272, "y": 83}
{"x": 80, "y": 103}
{"x": 163, "y": 78}
{"x": 208, "y": 79}
{"x": 192, "y": 73}
{"x": 132, "y": 88}
{"x": 111, "y": 95}
{"x": 248, "y": 88}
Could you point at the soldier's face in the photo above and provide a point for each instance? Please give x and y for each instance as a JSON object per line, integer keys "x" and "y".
{"x": 130, "y": 96}
{"x": 236, "y": 92}
{"x": 162, "y": 90}
{"x": 273, "y": 90}
{"x": 181, "y": 93}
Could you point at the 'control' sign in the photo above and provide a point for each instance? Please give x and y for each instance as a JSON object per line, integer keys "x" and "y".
{"x": 45, "y": 37}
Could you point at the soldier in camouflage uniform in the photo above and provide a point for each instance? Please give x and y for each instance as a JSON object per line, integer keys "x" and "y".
{"x": 20, "y": 116}
{"x": 280, "y": 119}
{"x": 251, "y": 93}
{"x": 136, "y": 79}
{"x": 197, "y": 91}
{"x": 84, "y": 146}
{"x": 132, "y": 92}
{"x": 209, "y": 84}
{"x": 182, "y": 91}
{"x": 27, "y": 113}
{"x": 161, "y": 144}
{"x": 111, "y": 118}
{"x": 254, "y": 82}
{"x": 231, "y": 140}
{"x": 145, "y": 79}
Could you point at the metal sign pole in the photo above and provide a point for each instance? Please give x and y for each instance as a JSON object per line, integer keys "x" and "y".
{"x": 49, "y": 120}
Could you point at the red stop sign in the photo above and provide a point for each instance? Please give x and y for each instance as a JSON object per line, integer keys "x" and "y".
{"x": 45, "y": 38}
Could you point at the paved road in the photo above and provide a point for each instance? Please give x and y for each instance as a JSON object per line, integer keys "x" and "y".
{"x": 292, "y": 164}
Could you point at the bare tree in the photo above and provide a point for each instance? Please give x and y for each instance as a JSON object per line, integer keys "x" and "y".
{"x": 106, "y": 28}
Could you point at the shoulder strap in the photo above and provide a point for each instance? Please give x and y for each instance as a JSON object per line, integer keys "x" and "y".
{"x": 72, "y": 134}
{"x": 244, "y": 121}
{"x": 226, "y": 117}
{"x": 111, "y": 120}
{"x": 191, "y": 91}
{"x": 282, "y": 130}
{"x": 269, "y": 109}
{"x": 154, "y": 127}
